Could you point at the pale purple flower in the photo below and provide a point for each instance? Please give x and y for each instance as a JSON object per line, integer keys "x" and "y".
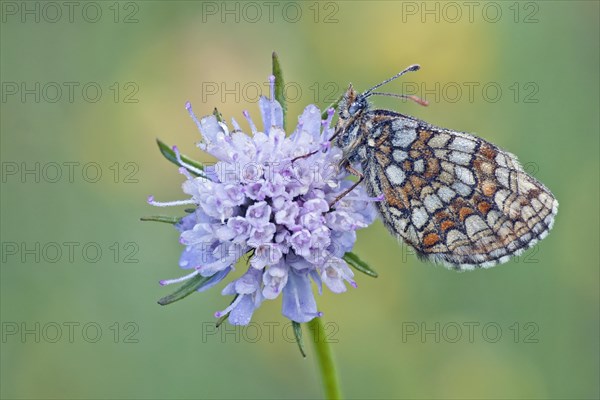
{"x": 274, "y": 280}
{"x": 270, "y": 198}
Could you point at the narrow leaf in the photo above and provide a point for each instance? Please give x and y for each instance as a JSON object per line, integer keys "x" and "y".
{"x": 279, "y": 85}
{"x": 170, "y": 155}
{"x": 161, "y": 218}
{"x": 298, "y": 333}
{"x": 185, "y": 290}
{"x": 359, "y": 264}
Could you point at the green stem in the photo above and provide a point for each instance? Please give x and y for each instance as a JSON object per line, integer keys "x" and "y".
{"x": 325, "y": 359}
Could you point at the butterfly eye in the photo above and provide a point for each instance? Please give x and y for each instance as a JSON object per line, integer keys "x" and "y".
{"x": 354, "y": 107}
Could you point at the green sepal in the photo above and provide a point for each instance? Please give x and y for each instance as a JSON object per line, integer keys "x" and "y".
{"x": 221, "y": 320}
{"x": 333, "y": 105}
{"x": 279, "y": 85}
{"x": 161, "y": 218}
{"x": 359, "y": 264}
{"x": 298, "y": 334}
{"x": 185, "y": 290}
{"x": 170, "y": 155}
{"x": 218, "y": 115}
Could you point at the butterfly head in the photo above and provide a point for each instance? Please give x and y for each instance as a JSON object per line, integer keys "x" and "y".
{"x": 351, "y": 108}
{"x": 352, "y": 104}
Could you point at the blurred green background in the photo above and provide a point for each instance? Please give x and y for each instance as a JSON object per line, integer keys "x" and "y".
{"x": 533, "y": 69}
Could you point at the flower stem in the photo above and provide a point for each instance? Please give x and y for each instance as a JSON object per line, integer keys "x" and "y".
{"x": 325, "y": 359}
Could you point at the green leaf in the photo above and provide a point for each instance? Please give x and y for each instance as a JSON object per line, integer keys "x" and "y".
{"x": 170, "y": 155}
{"x": 359, "y": 264}
{"x": 333, "y": 105}
{"x": 185, "y": 290}
{"x": 298, "y": 334}
{"x": 161, "y": 218}
{"x": 279, "y": 85}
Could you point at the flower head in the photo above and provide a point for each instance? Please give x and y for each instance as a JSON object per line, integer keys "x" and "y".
{"x": 277, "y": 199}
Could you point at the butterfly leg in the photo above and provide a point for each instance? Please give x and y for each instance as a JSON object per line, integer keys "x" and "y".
{"x": 304, "y": 156}
{"x": 353, "y": 171}
{"x": 328, "y": 144}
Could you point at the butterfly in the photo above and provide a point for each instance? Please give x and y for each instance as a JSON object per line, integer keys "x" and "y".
{"x": 455, "y": 198}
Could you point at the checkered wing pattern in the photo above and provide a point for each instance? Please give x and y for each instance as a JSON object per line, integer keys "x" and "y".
{"x": 454, "y": 197}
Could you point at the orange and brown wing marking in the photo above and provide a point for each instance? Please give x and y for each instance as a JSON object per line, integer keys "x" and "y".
{"x": 457, "y": 198}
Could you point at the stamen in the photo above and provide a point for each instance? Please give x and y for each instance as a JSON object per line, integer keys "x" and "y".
{"x": 169, "y": 203}
{"x": 177, "y": 280}
{"x": 272, "y": 88}
{"x": 299, "y": 128}
{"x": 330, "y": 112}
{"x": 250, "y": 122}
{"x": 184, "y": 164}
{"x": 188, "y": 107}
{"x": 219, "y": 314}
{"x": 186, "y": 173}
{"x": 236, "y": 126}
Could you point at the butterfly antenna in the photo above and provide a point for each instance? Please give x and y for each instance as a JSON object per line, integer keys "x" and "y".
{"x": 411, "y": 97}
{"x": 412, "y": 68}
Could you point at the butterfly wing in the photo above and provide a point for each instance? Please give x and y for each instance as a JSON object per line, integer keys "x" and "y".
{"x": 454, "y": 197}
